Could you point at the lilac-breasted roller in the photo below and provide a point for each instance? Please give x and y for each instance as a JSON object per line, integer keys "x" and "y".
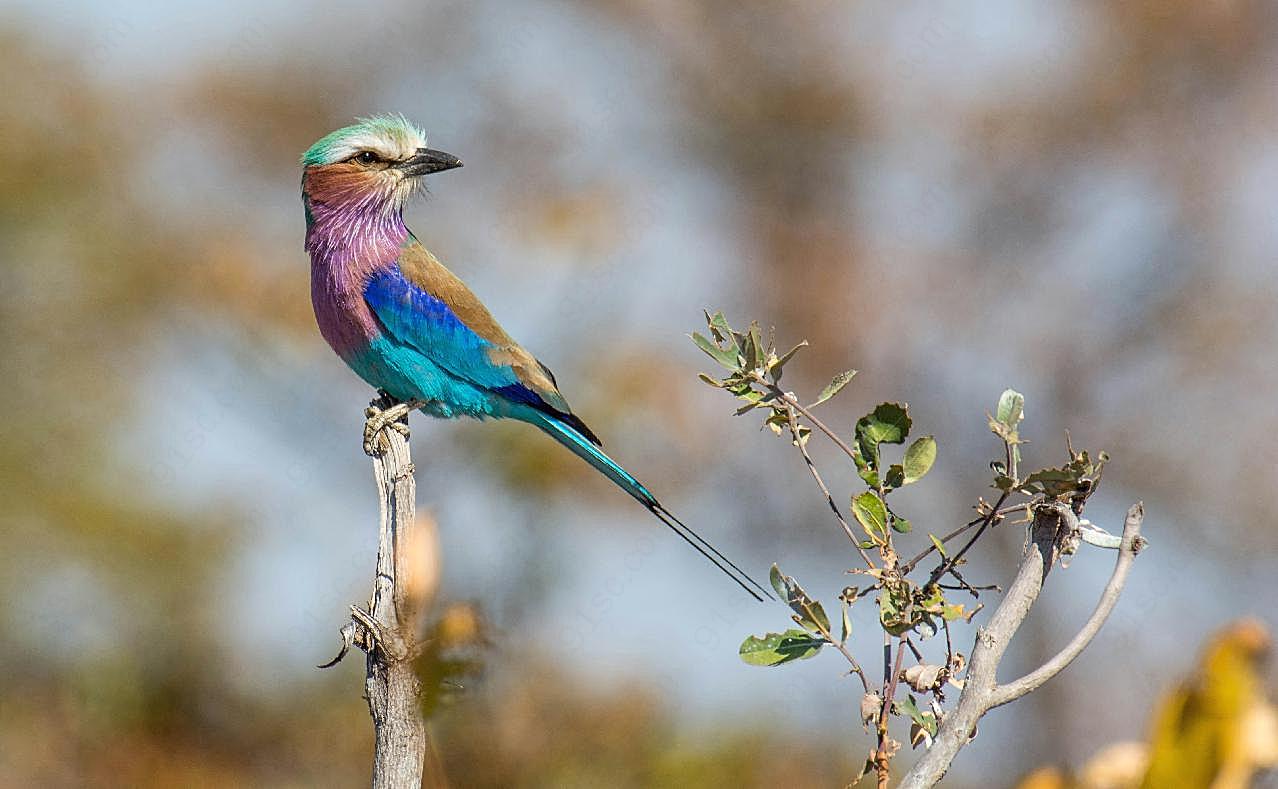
{"x": 409, "y": 326}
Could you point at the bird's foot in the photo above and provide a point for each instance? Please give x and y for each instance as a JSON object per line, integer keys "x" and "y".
{"x": 386, "y": 412}
{"x": 368, "y": 634}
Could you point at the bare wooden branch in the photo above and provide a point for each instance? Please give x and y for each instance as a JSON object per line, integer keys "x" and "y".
{"x": 390, "y": 682}
{"x": 1053, "y": 525}
{"x": 387, "y": 630}
{"x": 1131, "y": 545}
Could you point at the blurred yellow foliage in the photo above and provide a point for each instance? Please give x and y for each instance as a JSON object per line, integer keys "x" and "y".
{"x": 1216, "y": 730}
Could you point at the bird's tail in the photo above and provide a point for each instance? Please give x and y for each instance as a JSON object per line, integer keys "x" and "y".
{"x": 588, "y": 451}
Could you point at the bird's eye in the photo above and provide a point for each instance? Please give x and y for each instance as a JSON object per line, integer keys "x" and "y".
{"x": 366, "y": 157}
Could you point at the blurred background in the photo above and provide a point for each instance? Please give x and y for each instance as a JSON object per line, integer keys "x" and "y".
{"x": 1076, "y": 200}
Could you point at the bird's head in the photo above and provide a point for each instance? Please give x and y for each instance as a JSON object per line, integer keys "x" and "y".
{"x": 377, "y": 164}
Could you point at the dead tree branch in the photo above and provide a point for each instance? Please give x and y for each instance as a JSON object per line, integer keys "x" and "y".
{"x": 387, "y": 629}
{"x": 1054, "y": 525}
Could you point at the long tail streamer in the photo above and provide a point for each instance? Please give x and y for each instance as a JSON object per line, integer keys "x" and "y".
{"x": 592, "y": 454}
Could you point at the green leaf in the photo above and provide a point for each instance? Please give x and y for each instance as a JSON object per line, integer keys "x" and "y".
{"x": 894, "y": 602}
{"x": 1054, "y": 481}
{"x": 719, "y": 326}
{"x": 940, "y": 546}
{"x": 924, "y": 720}
{"x": 1011, "y": 408}
{"x": 715, "y": 382}
{"x": 811, "y": 614}
{"x": 785, "y": 357}
{"x": 1007, "y": 417}
{"x": 753, "y": 399}
{"x": 901, "y": 524}
{"x": 933, "y": 605}
{"x": 1001, "y": 430}
{"x": 753, "y": 350}
{"x": 774, "y": 649}
{"x": 777, "y": 423}
{"x": 835, "y": 385}
{"x": 863, "y": 468}
{"x": 895, "y": 476}
{"x": 909, "y": 707}
{"x": 777, "y": 580}
{"x": 919, "y": 458}
{"x": 888, "y": 423}
{"x": 847, "y": 622}
{"x": 727, "y": 359}
{"x": 871, "y": 514}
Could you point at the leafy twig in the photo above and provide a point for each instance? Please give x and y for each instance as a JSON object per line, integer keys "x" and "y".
{"x": 794, "y": 431}
{"x": 906, "y": 608}
{"x": 793, "y": 402}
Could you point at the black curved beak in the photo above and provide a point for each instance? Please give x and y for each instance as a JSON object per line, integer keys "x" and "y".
{"x": 427, "y": 161}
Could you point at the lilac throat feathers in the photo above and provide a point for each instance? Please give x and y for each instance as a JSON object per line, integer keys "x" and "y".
{"x": 348, "y": 243}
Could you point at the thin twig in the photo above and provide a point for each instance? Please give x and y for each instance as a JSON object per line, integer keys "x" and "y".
{"x": 856, "y": 667}
{"x": 883, "y": 757}
{"x": 829, "y": 636}
{"x": 819, "y": 425}
{"x": 887, "y": 659}
{"x": 966, "y": 587}
{"x": 953, "y": 561}
{"x": 949, "y": 646}
{"x": 912, "y": 563}
{"x": 975, "y": 591}
{"x": 794, "y": 403}
{"x": 794, "y": 431}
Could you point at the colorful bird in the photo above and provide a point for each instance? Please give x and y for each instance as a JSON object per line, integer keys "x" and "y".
{"x": 411, "y": 328}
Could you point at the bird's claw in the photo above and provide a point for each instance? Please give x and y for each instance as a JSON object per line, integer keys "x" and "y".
{"x": 367, "y": 633}
{"x": 383, "y": 413}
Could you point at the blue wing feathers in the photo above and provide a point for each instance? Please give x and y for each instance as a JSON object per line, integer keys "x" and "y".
{"x": 424, "y": 325}
{"x": 419, "y": 320}
{"x": 429, "y": 352}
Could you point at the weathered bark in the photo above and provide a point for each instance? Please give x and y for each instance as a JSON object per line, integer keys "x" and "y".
{"x": 387, "y": 630}
{"x": 981, "y": 692}
{"x": 390, "y": 682}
